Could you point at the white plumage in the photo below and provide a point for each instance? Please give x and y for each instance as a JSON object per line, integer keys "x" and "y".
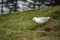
{"x": 41, "y": 19}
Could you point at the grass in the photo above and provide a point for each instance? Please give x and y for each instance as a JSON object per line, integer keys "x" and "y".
{"x": 20, "y": 26}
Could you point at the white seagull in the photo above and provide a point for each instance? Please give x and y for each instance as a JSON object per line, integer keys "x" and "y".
{"x": 41, "y": 19}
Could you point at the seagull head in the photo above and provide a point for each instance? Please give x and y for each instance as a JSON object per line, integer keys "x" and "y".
{"x": 34, "y": 18}
{"x": 48, "y": 17}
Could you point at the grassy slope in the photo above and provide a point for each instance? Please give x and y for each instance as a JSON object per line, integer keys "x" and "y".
{"x": 19, "y": 25}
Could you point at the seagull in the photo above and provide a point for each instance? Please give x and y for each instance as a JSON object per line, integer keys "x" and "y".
{"x": 41, "y": 20}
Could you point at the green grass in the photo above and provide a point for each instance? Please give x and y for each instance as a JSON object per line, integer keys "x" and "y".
{"x": 12, "y": 26}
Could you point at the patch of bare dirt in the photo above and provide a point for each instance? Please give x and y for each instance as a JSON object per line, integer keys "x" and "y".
{"x": 27, "y": 37}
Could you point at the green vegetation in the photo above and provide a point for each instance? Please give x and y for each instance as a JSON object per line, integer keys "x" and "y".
{"x": 20, "y": 26}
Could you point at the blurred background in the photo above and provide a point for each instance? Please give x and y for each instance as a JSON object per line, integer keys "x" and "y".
{"x": 9, "y": 6}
